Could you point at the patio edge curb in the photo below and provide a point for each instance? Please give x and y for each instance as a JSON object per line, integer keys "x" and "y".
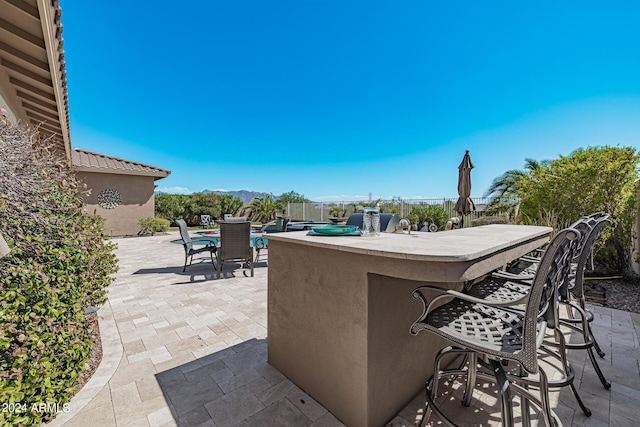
{"x": 112, "y": 351}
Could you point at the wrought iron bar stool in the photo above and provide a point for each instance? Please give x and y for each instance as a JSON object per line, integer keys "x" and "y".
{"x": 571, "y": 292}
{"x": 491, "y": 334}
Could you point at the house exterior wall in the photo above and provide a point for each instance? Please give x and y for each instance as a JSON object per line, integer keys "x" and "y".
{"x": 137, "y": 200}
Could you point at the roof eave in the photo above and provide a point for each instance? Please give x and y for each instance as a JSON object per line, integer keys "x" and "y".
{"x": 156, "y": 175}
{"x": 47, "y": 10}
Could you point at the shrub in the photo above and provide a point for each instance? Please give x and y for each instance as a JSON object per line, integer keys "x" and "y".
{"x": 59, "y": 264}
{"x": 171, "y": 206}
{"x": 153, "y": 225}
{"x": 189, "y": 208}
{"x": 589, "y": 180}
{"x": 338, "y": 212}
{"x": 433, "y": 214}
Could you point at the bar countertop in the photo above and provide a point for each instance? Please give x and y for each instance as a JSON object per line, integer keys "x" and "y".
{"x": 451, "y": 246}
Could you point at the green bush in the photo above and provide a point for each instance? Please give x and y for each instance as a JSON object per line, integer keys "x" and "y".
{"x": 337, "y": 212}
{"x": 59, "y": 265}
{"x": 433, "y": 214}
{"x": 189, "y": 208}
{"x": 601, "y": 179}
{"x": 153, "y": 225}
{"x": 171, "y": 206}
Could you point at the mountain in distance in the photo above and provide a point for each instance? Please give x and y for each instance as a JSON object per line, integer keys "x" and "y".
{"x": 245, "y": 195}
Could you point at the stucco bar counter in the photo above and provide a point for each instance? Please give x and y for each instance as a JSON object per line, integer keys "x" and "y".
{"x": 340, "y": 308}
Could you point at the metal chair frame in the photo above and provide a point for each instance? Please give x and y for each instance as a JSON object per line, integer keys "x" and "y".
{"x": 235, "y": 244}
{"x": 187, "y": 243}
{"x": 571, "y": 292}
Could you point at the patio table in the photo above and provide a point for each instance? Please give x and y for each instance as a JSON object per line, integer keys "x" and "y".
{"x": 340, "y": 308}
{"x": 214, "y": 236}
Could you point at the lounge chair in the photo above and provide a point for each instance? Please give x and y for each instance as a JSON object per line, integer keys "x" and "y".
{"x": 205, "y": 221}
{"x": 277, "y": 226}
{"x": 189, "y": 251}
{"x": 235, "y": 244}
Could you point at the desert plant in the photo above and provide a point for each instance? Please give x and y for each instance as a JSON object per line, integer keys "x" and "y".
{"x": 292, "y": 197}
{"x": 262, "y": 210}
{"x": 503, "y": 189}
{"x": 153, "y": 225}
{"x": 433, "y": 214}
{"x": 337, "y": 212}
{"x": 229, "y": 204}
{"x": 60, "y": 264}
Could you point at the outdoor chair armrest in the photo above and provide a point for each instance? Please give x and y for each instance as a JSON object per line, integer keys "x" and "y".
{"x": 449, "y": 293}
{"x": 489, "y": 303}
{"x": 524, "y": 278}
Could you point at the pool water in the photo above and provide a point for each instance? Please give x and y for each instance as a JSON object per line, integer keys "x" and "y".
{"x": 215, "y": 236}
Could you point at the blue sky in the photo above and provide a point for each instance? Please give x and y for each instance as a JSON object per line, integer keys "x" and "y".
{"x": 336, "y": 99}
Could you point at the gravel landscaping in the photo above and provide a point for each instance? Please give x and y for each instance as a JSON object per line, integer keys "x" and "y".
{"x": 621, "y": 294}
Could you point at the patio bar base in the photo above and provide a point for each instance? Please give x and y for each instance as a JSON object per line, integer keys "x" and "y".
{"x": 339, "y": 310}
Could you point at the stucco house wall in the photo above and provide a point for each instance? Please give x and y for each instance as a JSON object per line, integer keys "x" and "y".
{"x": 137, "y": 200}
{"x": 120, "y": 190}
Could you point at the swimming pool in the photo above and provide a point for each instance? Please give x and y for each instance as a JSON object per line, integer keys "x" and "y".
{"x": 215, "y": 236}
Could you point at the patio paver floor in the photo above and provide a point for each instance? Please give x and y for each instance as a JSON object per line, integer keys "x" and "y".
{"x": 185, "y": 349}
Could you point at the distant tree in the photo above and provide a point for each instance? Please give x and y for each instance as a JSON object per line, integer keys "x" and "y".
{"x": 263, "y": 210}
{"x": 203, "y": 204}
{"x": 229, "y": 204}
{"x": 171, "y": 206}
{"x": 180, "y": 206}
{"x": 589, "y": 180}
{"x": 503, "y": 189}
{"x": 292, "y": 197}
{"x": 505, "y": 186}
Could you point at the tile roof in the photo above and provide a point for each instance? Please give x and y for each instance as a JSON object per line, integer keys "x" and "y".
{"x": 87, "y": 161}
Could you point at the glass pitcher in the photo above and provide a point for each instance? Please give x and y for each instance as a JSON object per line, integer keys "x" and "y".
{"x": 371, "y": 222}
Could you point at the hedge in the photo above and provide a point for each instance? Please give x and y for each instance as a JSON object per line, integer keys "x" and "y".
{"x": 60, "y": 264}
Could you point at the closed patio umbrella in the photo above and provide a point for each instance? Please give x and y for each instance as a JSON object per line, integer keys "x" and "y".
{"x": 464, "y": 205}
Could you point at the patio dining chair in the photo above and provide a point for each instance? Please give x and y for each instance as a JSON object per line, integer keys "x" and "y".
{"x": 230, "y": 218}
{"x": 189, "y": 250}
{"x": 259, "y": 245}
{"x": 235, "y": 244}
{"x": 490, "y": 334}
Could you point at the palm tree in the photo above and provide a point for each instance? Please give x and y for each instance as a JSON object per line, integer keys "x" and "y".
{"x": 503, "y": 189}
{"x": 263, "y": 210}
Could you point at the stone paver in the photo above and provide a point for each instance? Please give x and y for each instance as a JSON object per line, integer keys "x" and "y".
{"x": 186, "y": 349}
